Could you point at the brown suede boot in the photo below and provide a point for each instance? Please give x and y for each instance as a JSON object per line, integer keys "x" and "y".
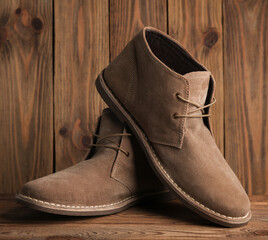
{"x": 114, "y": 176}
{"x": 164, "y": 95}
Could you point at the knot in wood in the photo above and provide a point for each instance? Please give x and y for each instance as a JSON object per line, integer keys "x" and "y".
{"x": 63, "y": 131}
{"x": 18, "y": 11}
{"x": 37, "y": 24}
{"x": 211, "y": 38}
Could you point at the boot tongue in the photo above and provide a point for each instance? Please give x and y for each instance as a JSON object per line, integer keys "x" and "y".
{"x": 109, "y": 124}
{"x": 198, "y": 87}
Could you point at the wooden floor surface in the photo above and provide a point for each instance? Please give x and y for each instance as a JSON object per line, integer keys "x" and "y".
{"x": 167, "y": 220}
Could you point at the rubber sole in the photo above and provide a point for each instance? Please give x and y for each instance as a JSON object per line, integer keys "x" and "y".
{"x": 100, "y": 210}
{"x": 124, "y": 116}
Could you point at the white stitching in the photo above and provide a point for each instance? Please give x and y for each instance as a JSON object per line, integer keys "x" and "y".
{"x": 221, "y": 215}
{"x": 185, "y": 192}
{"x": 69, "y": 206}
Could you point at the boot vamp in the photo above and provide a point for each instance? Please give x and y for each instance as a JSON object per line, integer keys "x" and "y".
{"x": 134, "y": 170}
{"x": 200, "y": 170}
{"x": 87, "y": 183}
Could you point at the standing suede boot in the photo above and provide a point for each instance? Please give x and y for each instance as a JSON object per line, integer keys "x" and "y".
{"x": 164, "y": 95}
{"x": 113, "y": 176}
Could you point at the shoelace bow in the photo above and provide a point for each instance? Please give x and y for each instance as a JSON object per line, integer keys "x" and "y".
{"x": 179, "y": 97}
{"x": 116, "y": 147}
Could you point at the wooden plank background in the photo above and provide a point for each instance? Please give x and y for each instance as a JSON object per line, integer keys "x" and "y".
{"x": 51, "y": 52}
{"x": 81, "y": 52}
{"x": 246, "y": 90}
{"x": 26, "y": 92}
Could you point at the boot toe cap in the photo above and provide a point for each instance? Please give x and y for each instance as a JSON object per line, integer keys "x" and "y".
{"x": 39, "y": 190}
{"x": 231, "y": 204}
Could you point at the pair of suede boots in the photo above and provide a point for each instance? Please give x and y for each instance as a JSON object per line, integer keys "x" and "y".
{"x": 153, "y": 140}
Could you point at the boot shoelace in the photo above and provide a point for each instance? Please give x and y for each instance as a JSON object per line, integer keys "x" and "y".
{"x": 116, "y": 147}
{"x": 179, "y": 97}
{"x": 176, "y": 115}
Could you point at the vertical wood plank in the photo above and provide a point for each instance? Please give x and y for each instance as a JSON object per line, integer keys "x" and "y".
{"x": 127, "y": 18}
{"x": 26, "y": 99}
{"x": 81, "y": 52}
{"x": 246, "y": 79}
{"x": 197, "y": 25}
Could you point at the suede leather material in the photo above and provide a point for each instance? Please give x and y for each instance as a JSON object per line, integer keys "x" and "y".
{"x": 134, "y": 171}
{"x": 198, "y": 87}
{"x": 145, "y": 78}
{"x": 87, "y": 183}
{"x": 131, "y": 76}
{"x": 91, "y": 182}
{"x": 200, "y": 156}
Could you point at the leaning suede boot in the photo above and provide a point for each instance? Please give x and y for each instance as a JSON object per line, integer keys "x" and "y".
{"x": 113, "y": 176}
{"x": 164, "y": 95}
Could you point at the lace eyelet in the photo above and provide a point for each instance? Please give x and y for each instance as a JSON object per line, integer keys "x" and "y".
{"x": 177, "y": 94}
{"x": 175, "y": 115}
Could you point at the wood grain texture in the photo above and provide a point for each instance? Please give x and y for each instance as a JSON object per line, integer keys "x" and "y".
{"x": 197, "y": 25}
{"x": 229, "y": 37}
{"x": 169, "y": 220}
{"x": 81, "y": 52}
{"x": 26, "y": 96}
{"x": 246, "y": 90}
{"x": 127, "y": 18}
